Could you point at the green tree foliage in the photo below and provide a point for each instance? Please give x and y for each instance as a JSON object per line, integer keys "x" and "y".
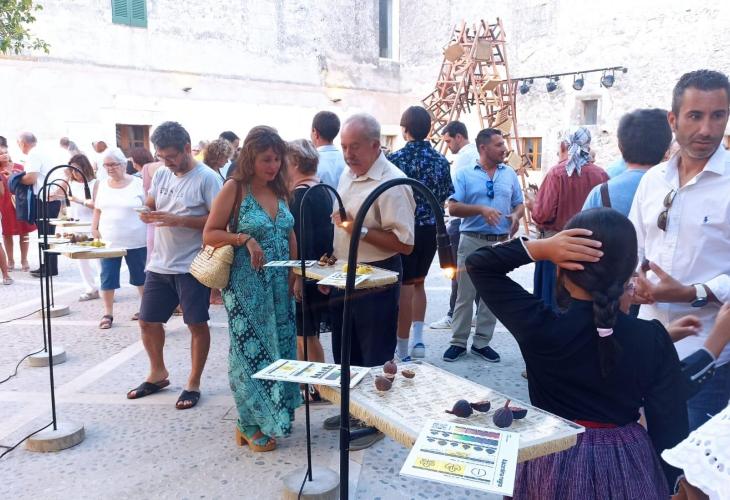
{"x": 15, "y": 16}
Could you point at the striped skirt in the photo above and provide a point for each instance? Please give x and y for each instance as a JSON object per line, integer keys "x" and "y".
{"x": 615, "y": 464}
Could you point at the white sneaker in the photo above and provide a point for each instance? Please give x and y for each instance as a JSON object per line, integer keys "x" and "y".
{"x": 418, "y": 351}
{"x": 442, "y": 324}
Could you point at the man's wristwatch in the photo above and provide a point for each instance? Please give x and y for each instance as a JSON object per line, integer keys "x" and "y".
{"x": 701, "y": 297}
{"x": 363, "y": 232}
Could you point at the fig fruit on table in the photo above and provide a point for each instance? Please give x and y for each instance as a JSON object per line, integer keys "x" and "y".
{"x": 481, "y": 406}
{"x": 518, "y": 413}
{"x": 461, "y": 408}
{"x": 382, "y": 384}
{"x": 503, "y": 417}
{"x": 408, "y": 373}
{"x": 390, "y": 367}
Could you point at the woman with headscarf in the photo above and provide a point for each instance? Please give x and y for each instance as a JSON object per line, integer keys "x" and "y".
{"x": 561, "y": 195}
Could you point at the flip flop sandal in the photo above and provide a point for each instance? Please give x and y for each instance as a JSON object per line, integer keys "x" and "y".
{"x": 187, "y": 396}
{"x": 106, "y": 322}
{"x": 147, "y": 388}
{"x": 135, "y": 316}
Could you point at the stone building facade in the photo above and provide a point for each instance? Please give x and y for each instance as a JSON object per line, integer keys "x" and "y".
{"x": 216, "y": 65}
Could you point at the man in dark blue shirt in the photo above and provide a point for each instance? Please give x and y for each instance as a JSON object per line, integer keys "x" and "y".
{"x": 419, "y": 161}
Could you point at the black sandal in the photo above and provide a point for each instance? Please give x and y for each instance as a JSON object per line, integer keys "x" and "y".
{"x": 147, "y": 388}
{"x": 191, "y": 397}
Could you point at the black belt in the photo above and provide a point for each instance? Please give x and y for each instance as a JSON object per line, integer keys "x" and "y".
{"x": 487, "y": 237}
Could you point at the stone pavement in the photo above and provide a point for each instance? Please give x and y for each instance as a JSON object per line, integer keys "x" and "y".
{"x": 147, "y": 448}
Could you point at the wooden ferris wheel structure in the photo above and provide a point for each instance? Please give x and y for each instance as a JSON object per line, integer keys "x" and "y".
{"x": 474, "y": 78}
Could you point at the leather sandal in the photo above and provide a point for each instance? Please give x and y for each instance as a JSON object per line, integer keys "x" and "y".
{"x": 260, "y": 444}
{"x": 106, "y": 322}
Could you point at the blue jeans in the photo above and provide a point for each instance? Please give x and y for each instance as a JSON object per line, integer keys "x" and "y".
{"x": 712, "y": 398}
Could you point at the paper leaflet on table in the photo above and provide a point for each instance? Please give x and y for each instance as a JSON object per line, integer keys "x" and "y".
{"x": 309, "y": 372}
{"x": 464, "y": 455}
{"x": 340, "y": 279}
{"x": 290, "y": 263}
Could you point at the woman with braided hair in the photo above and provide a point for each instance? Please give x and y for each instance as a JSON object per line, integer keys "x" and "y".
{"x": 590, "y": 362}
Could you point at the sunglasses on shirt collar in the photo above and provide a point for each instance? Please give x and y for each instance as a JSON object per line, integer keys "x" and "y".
{"x": 663, "y": 218}
{"x": 490, "y": 189}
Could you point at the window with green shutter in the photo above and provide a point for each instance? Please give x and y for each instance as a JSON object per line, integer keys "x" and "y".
{"x": 130, "y": 12}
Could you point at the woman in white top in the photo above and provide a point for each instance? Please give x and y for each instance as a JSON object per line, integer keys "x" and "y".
{"x": 83, "y": 210}
{"x": 117, "y": 224}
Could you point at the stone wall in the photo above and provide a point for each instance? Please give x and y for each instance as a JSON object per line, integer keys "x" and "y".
{"x": 245, "y": 63}
{"x": 657, "y": 40}
{"x": 280, "y": 61}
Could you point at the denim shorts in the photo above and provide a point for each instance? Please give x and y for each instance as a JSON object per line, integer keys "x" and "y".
{"x": 163, "y": 293}
{"x": 136, "y": 259}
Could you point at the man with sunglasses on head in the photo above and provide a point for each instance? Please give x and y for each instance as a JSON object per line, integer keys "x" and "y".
{"x": 681, "y": 212}
{"x": 489, "y": 199}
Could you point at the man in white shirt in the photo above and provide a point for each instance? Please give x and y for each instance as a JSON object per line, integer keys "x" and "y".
{"x": 387, "y": 232}
{"x": 325, "y": 127}
{"x": 681, "y": 212}
{"x": 456, "y": 138}
{"x": 37, "y": 165}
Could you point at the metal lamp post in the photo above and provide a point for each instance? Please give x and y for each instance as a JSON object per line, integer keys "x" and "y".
{"x": 446, "y": 261}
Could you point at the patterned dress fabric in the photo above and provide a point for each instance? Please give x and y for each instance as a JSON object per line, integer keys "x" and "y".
{"x": 261, "y": 322}
{"x": 419, "y": 161}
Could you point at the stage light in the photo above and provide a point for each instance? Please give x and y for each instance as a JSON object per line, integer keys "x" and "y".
{"x": 552, "y": 84}
{"x": 607, "y": 80}
{"x": 578, "y": 82}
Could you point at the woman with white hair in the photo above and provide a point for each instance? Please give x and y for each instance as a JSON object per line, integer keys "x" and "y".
{"x": 117, "y": 224}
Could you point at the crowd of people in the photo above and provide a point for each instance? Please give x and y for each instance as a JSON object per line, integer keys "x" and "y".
{"x": 624, "y": 331}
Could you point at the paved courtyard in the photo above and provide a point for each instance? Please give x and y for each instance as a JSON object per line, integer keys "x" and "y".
{"x": 147, "y": 448}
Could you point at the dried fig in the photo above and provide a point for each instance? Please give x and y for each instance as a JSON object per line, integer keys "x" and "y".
{"x": 408, "y": 373}
{"x": 390, "y": 376}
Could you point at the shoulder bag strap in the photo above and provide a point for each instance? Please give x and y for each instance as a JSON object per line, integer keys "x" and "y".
{"x": 605, "y": 199}
{"x": 236, "y": 209}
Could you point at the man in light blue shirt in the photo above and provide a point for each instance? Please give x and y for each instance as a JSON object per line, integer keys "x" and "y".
{"x": 488, "y": 198}
{"x": 644, "y": 136}
{"x": 325, "y": 127}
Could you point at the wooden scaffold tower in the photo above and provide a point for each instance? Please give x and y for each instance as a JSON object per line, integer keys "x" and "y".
{"x": 474, "y": 77}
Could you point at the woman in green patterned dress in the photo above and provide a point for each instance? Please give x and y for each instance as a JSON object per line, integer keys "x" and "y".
{"x": 258, "y": 299}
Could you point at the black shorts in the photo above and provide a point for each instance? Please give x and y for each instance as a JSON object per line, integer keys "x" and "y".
{"x": 417, "y": 264}
{"x": 318, "y": 304}
{"x": 163, "y": 293}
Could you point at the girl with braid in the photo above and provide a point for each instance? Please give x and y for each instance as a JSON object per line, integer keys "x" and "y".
{"x": 590, "y": 362}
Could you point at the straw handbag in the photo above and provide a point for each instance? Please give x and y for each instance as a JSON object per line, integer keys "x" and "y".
{"x": 212, "y": 266}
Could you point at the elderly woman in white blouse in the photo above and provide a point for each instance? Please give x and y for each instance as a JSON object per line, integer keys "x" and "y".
{"x": 118, "y": 225}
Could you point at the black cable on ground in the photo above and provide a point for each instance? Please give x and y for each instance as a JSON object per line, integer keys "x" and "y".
{"x": 15, "y": 372}
{"x": 11, "y": 448}
{"x": 18, "y": 365}
{"x": 21, "y": 317}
